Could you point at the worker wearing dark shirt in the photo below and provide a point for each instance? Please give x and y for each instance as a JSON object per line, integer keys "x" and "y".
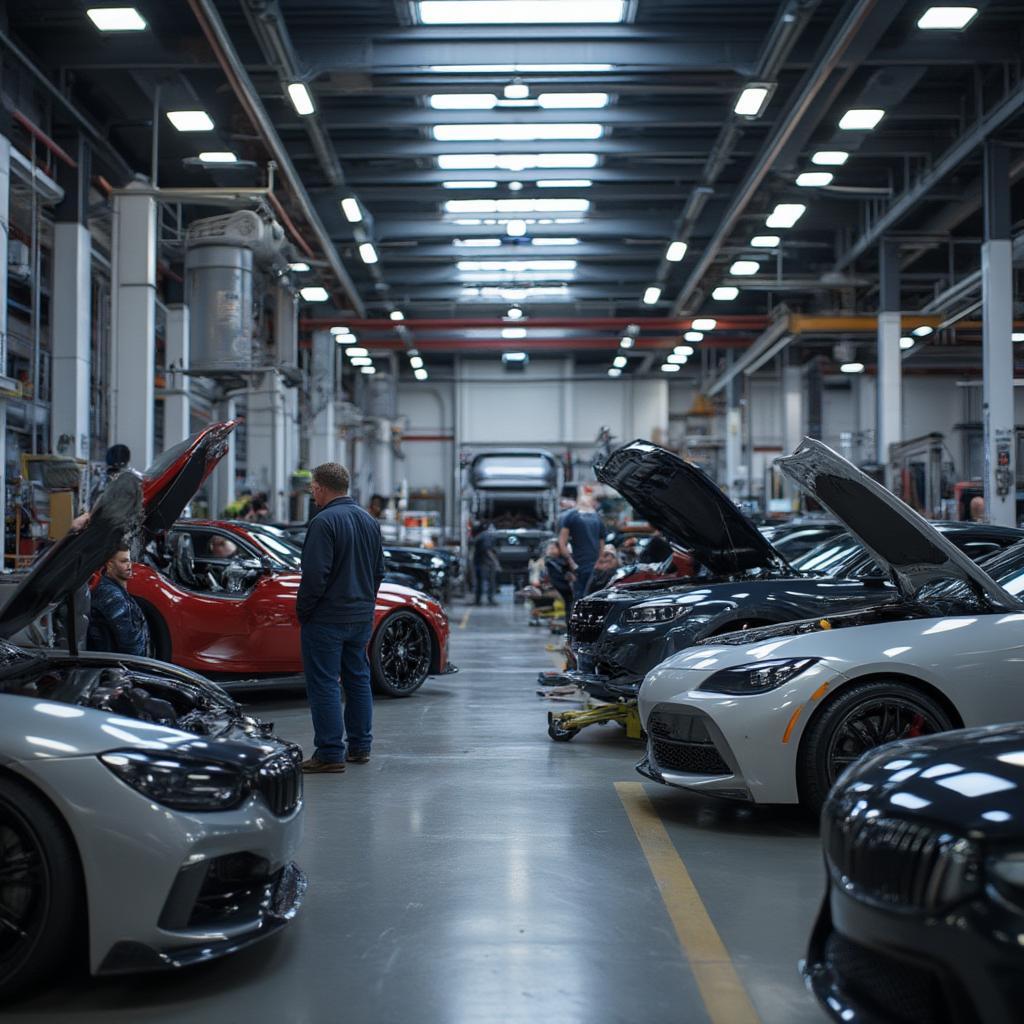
{"x": 579, "y": 537}
{"x": 485, "y": 563}
{"x": 342, "y": 568}
{"x": 116, "y": 622}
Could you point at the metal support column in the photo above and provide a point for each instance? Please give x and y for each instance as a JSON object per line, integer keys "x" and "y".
{"x": 265, "y": 444}
{"x": 323, "y": 442}
{"x": 792, "y": 416}
{"x": 177, "y": 409}
{"x": 5, "y": 383}
{"x": 733, "y": 439}
{"x": 222, "y": 489}
{"x": 889, "y": 387}
{"x": 997, "y": 346}
{"x": 134, "y": 323}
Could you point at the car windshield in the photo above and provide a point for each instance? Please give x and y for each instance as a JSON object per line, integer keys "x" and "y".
{"x": 1006, "y": 568}
{"x": 290, "y": 554}
{"x": 12, "y": 656}
{"x": 831, "y": 556}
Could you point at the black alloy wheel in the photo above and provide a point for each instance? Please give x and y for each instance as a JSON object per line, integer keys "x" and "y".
{"x": 400, "y": 654}
{"x": 40, "y": 889}
{"x": 857, "y": 721}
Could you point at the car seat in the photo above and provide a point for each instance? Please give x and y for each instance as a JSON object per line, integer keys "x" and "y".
{"x": 183, "y": 562}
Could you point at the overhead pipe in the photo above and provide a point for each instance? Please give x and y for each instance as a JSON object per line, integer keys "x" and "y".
{"x": 812, "y": 84}
{"x": 44, "y": 140}
{"x": 220, "y": 42}
{"x": 612, "y": 323}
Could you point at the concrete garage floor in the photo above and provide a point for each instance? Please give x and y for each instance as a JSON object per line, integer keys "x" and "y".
{"x": 475, "y": 871}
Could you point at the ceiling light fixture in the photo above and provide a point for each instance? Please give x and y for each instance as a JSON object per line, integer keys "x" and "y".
{"x": 830, "y": 157}
{"x": 514, "y": 314}
{"x": 116, "y": 19}
{"x": 521, "y": 12}
{"x": 218, "y": 157}
{"x": 350, "y": 207}
{"x": 532, "y": 132}
{"x": 693, "y": 336}
{"x": 367, "y": 253}
{"x": 469, "y": 184}
{"x": 514, "y": 161}
{"x": 368, "y": 370}
{"x": 946, "y": 17}
{"x": 361, "y": 360}
{"x": 614, "y": 371}
{"x": 298, "y": 268}
{"x": 1017, "y": 336}
{"x": 744, "y": 268}
{"x": 860, "y": 120}
{"x": 906, "y": 342}
{"x": 651, "y": 295}
{"x": 396, "y": 314}
{"x": 765, "y": 241}
{"x": 513, "y": 333}
{"x": 476, "y": 243}
{"x": 516, "y": 90}
{"x": 683, "y": 350}
{"x": 754, "y": 99}
{"x": 564, "y": 183}
{"x": 619, "y": 362}
{"x": 851, "y": 368}
{"x": 814, "y": 179}
{"x": 670, "y": 367}
{"x": 567, "y": 205}
{"x": 357, "y": 353}
{"x": 343, "y": 330}
{"x": 514, "y": 357}
{"x": 420, "y": 373}
{"x": 464, "y": 101}
{"x": 512, "y": 69}
{"x": 923, "y": 331}
{"x": 301, "y": 99}
{"x": 725, "y": 293}
{"x": 554, "y": 241}
{"x": 314, "y": 293}
{"x": 573, "y": 100}
{"x": 704, "y": 323}
{"x": 190, "y": 120}
{"x": 626, "y": 341}
{"x": 416, "y": 362}
{"x": 785, "y": 215}
{"x": 676, "y": 358}
{"x": 675, "y": 252}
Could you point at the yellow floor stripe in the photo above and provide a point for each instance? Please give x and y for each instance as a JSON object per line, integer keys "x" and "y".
{"x": 725, "y": 998}
{"x": 464, "y": 621}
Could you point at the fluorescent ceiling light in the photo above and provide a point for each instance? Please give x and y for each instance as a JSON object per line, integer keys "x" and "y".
{"x": 190, "y": 120}
{"x": 554, "y": 241}
{"x": 396, "y": 314}
{"x": 476, "y": 243}
{"x": 341, "y": 330}
{"x": 218, "y": 157}
{"x": 626, "y": 341}
{"x": 572, "y": 100}
{"x": 514, "y": 266}
{"x": 301, "y": 99}
{"x": 512, "y": 69}
{"x": 469, "y": 184}
{"x": 515, "y": 186}
{"x": 754, "y": 99}
{"x": 416, "y": 362}
{"x": 512, "y": 333}
{"x": 514, "y": 314}
{"x": 357, "y": 353}
{"x": 516, "y": 205}
{"x": 614, "y": 371}
{"x": 514, "y": 161}
{"x": 116, "y": 19}
{"x": 419, "y": 373}
{"x": 368, "y": 370}
{"x": 300, "y": 268}
{"x": 677, "y": 358}
{"x": 947, "y": 17}
{"x": 744, "y": 268}
{"x": 497, "y": 132}
{"x": 670, "y": 367}
{"x": 704, "y": 323}
{"x": 906, "y": 343}
{"x": 521, "y": 12}
{"x": 830, "y": 157}
{"x": 516, "y": 91}
{"x": 851, "y": 368}
{"x": 683, "y": 350}
{"x": 314, "y": 293}
{"x": 814, "y": 179}
{"x": 725, "y": 293}
{"x": 564, "y": 183}
{"x": 651, "y": 295}
{"x": 362, "y": 361}
{"x": 514, "y": 357}
{"x": 675, "y": 252}
{"x": 693, "y": 336}
{"x": 350, "y": 207}
{"x": 1017, "y": 336}
{"x": 765, "y": 241}
{"x": 367, "y": 253}
{"x": 515, "y": 228}
{"x": 464, "y": 101}
{"x": 785, "y": 215}
{"x": 620, "y": 361}
{"x": 860, "y": 119}
{"x": 923, "y": 331}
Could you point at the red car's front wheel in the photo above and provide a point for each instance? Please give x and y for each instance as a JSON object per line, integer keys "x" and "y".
{"x": 400, "y": 654}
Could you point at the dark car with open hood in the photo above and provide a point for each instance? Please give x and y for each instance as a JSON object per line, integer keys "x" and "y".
{"x": 133, "y": 786}
{"x": 924, "y": 904}
{"x": 618, "y": 635}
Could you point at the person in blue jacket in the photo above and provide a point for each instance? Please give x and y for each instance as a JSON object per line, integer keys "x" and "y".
{"x": 116, "y": 622}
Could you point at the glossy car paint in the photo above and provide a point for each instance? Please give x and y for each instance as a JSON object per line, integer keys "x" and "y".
{"x": 936, "y": 924}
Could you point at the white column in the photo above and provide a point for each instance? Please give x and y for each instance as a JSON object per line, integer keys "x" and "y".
{"x": 221, "y": 486}
{"x": 291, "y": 456}
{"x": 134, "y": 324}
{"x": 733, "y": 437}
{"x": 265, "y": 441}
{"x": 5, "y": 200}
{"x": 177, "y": 412}
{"x": 323, "y": 442}
{"x": 72, "y": 357}
{"x": 889, "y": 389}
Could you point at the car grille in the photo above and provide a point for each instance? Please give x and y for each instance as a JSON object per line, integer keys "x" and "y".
{"x": 587, "y": 620}
{"x": 280, "y": 782}
{"x": 681, "y": 743}
{"x": 901, "y": 863}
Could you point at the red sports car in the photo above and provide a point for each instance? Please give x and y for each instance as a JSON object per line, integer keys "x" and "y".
{"x": 221, "y": 600}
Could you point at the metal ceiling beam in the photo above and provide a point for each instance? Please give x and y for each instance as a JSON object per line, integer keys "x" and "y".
{"x": 611, "y": 323}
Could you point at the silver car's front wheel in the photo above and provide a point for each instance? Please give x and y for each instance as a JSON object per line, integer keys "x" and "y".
{"x": 856, "y": 721}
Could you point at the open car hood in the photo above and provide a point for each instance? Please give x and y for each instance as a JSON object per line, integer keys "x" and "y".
{"x": 70, "y": 563}
{"x": 903, "y": 542}
{"x": 686, "y": 505}
{"x": 172, "y": 481}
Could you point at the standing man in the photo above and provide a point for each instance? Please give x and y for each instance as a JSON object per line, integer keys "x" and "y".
{"x": 579, "y": 539}
{"x": 342, "y": 568}
{"x": 116, "y": 622}
{"x": 485, "y": 563}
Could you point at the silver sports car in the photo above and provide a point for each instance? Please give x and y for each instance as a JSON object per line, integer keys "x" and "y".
{"x": 133, "y": 794}
{"x": 775, "y": 714}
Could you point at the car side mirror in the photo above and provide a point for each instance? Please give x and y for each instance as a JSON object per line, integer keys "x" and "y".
{"x": 266, "y": 565}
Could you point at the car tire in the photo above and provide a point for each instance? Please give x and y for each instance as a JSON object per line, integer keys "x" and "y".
{"x": 400, "y": 654}
{"x": 855, "y": 721}
{"x": 159, "y": 646}
{"x": 41, "y": 891}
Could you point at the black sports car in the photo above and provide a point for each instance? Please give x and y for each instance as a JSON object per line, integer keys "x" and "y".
{"x": 924, "y": 906}
{"x": 618, "y": 635}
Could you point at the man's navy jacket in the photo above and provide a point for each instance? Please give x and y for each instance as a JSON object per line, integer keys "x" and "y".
{"x": 116, "y": 622}
{"x": 342, "y": 565}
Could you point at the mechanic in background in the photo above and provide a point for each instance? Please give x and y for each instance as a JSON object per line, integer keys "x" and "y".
{"x": 580, "y": 532}
{"x": 116, "y": 622}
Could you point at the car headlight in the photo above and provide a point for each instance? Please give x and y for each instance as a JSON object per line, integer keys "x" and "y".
{"x": 656, "y": 613}
{"x": 757, "y": 677}
{"x": 178, "y": 782}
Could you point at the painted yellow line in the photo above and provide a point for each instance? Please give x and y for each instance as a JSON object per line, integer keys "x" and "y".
{"x": 464, "y": 621}
{"x": 725, "y": 998}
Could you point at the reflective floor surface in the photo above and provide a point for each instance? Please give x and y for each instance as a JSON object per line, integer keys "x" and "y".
{"x": 475, "y": 872}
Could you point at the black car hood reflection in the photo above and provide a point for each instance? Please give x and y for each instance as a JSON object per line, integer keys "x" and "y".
{"x": 686, "y": 505}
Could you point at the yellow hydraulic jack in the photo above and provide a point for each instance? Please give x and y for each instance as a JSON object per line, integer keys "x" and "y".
{"x": 563, "y": 725}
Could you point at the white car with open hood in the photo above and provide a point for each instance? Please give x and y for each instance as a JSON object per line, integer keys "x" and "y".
{"x": 775, "y": 714}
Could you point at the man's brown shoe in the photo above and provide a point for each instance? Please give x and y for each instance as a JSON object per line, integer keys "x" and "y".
{"x": 358, "y": 756}
{"x": 314, "y": 766}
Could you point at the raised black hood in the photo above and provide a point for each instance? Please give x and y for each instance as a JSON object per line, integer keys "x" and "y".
{"x": 70, "y": 563}
{"x": 688, "y": 507}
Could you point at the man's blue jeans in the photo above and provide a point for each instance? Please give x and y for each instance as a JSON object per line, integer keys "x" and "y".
{"x": 330, "y": 653}
{"x": 583, "y": 574}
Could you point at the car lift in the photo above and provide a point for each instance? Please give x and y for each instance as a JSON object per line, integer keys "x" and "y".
{"x": 563, "y": 725}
